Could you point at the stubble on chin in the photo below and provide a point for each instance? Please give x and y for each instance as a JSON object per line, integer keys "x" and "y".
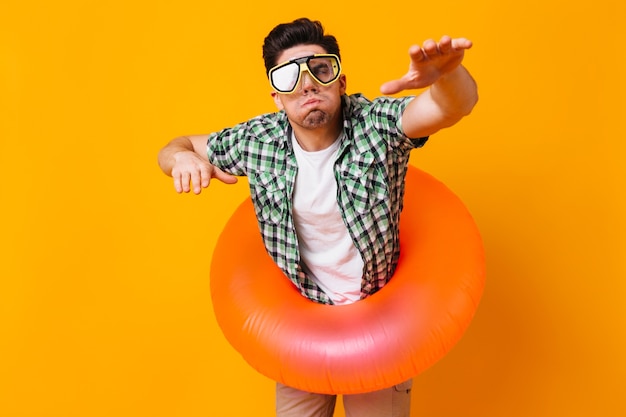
{"x": 315, "y": 119}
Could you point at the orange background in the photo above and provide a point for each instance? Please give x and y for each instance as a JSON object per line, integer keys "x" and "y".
{"x": 104, "y": 292}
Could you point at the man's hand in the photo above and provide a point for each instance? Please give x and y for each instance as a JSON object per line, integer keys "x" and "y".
{"x": 429, "y": 63}
{"x": 191, "y": 170}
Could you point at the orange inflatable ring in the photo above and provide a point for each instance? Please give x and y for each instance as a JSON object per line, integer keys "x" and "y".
{"x": 372, "y": 344}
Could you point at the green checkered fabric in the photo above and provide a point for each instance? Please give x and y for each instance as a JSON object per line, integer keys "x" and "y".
{"x": 370, "y": 170}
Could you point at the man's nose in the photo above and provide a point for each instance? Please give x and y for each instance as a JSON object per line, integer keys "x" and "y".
{"x": 307, "y": 82}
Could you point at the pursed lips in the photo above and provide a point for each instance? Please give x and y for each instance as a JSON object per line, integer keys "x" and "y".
{"x": 311, "y": 102}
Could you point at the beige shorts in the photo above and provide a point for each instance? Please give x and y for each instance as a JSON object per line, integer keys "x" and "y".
{"x": 389, "y": 402}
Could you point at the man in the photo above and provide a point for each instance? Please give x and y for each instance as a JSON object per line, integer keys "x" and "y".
{"x": 326, "y": 175}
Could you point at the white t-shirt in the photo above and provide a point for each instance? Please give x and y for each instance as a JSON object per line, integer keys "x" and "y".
{"x": 327, "y": 252}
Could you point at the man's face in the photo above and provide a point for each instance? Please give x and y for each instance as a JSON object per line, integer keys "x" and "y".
{"x": 311, "y": 105}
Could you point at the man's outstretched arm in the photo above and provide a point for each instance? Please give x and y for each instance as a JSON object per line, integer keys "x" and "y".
{"x": 452, "y": 91}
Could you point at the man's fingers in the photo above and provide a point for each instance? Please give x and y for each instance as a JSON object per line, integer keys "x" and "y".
{"x": 445, "y": 45}
{"x": 391, "y": 87}
{"x": 416, "y": 53}
{"x": 199, "y": 177}
{"x": 196, "y": 181}
{"x": 205, "y": 177}
{"x": 430, "y": 48}
{"x": 461, "y": 43}
{"x": 181, "y": 182}
{"x": 223, "y": 176}
{"x": 177, "y": 183}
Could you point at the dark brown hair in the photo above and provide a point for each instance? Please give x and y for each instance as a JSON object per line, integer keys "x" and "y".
{"x": 301, "y": 31}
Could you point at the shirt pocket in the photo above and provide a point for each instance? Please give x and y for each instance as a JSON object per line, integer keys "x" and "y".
{"x": 365, "y": 185}
{"x": 269, "y": 194}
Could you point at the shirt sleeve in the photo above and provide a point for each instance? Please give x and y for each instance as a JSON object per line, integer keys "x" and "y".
{"x": 419, "y": 142}
{"x": 388, "y": 114}
{"x": 223, "y": 149}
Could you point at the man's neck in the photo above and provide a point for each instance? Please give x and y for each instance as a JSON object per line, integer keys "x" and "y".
{"x": 312, "y": 140}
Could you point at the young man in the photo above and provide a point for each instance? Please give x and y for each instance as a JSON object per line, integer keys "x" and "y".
{"x": 326, "y": 175}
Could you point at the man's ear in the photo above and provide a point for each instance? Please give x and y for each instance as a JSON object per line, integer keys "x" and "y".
{"x": 343, "y": 84}
{"x": 277, "y": 100}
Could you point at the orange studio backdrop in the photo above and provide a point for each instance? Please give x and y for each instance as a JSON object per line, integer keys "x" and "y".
{"x": 105, "y": 304}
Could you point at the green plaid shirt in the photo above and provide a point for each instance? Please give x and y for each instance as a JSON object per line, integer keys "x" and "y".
{"x": 370, "y": 171}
